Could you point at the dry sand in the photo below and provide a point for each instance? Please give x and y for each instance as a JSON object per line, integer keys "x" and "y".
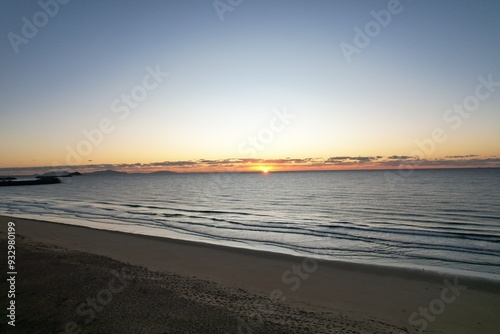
{"x": 173, "y": 286}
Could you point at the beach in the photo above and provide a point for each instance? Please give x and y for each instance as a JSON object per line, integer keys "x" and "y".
{"x": 174, "y": 286}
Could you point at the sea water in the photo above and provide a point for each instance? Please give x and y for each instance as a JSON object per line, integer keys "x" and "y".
{"x": 437, "y": 219}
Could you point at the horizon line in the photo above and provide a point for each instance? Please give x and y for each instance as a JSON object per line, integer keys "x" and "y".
{"x": 258, "y": 171}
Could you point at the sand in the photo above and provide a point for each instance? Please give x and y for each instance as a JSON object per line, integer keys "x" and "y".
{"x": 173, "y": 286}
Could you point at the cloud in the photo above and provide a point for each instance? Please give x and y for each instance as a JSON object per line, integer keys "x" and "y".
{"x": 238, "y": 164}
{"x": 352, "y": 160}
{"x": 456, "y": 161}
{"x": 461, "y": 156}
{"x": 400, "y": 157}
{"x": 171, "y": 164}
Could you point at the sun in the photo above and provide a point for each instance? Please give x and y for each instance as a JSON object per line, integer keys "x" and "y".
{"x": 262, "y": 169}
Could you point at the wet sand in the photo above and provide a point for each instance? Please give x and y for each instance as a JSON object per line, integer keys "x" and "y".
{"x": 173, "y": 286}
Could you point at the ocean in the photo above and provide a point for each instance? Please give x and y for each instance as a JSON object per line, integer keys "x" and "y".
{"x": 444, "y": 220}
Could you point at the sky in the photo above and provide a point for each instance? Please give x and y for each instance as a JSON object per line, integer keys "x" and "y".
{"x": 240, "y": 85}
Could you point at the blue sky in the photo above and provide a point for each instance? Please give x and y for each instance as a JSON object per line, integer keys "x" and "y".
{"x": 227, "y": 78}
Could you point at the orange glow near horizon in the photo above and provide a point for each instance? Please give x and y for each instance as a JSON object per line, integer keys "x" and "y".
{"x": 267, "y": 166}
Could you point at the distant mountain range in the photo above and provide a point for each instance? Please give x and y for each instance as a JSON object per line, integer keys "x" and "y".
{"x": 163, "y": 172}
{"x": 105, "y": 172}
{"x": 99, "y": 172}
{"x": 58, "y": 174}
{"x": 114, "y": 172}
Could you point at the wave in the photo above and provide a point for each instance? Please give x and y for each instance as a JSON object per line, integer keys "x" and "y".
{"x": 335, "y": 216}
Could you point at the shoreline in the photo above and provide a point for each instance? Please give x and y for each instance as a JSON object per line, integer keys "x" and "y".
{"x": 365, "y": 291}
{"x": 173, "y": 236}
{"x": 426, "y": 271}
